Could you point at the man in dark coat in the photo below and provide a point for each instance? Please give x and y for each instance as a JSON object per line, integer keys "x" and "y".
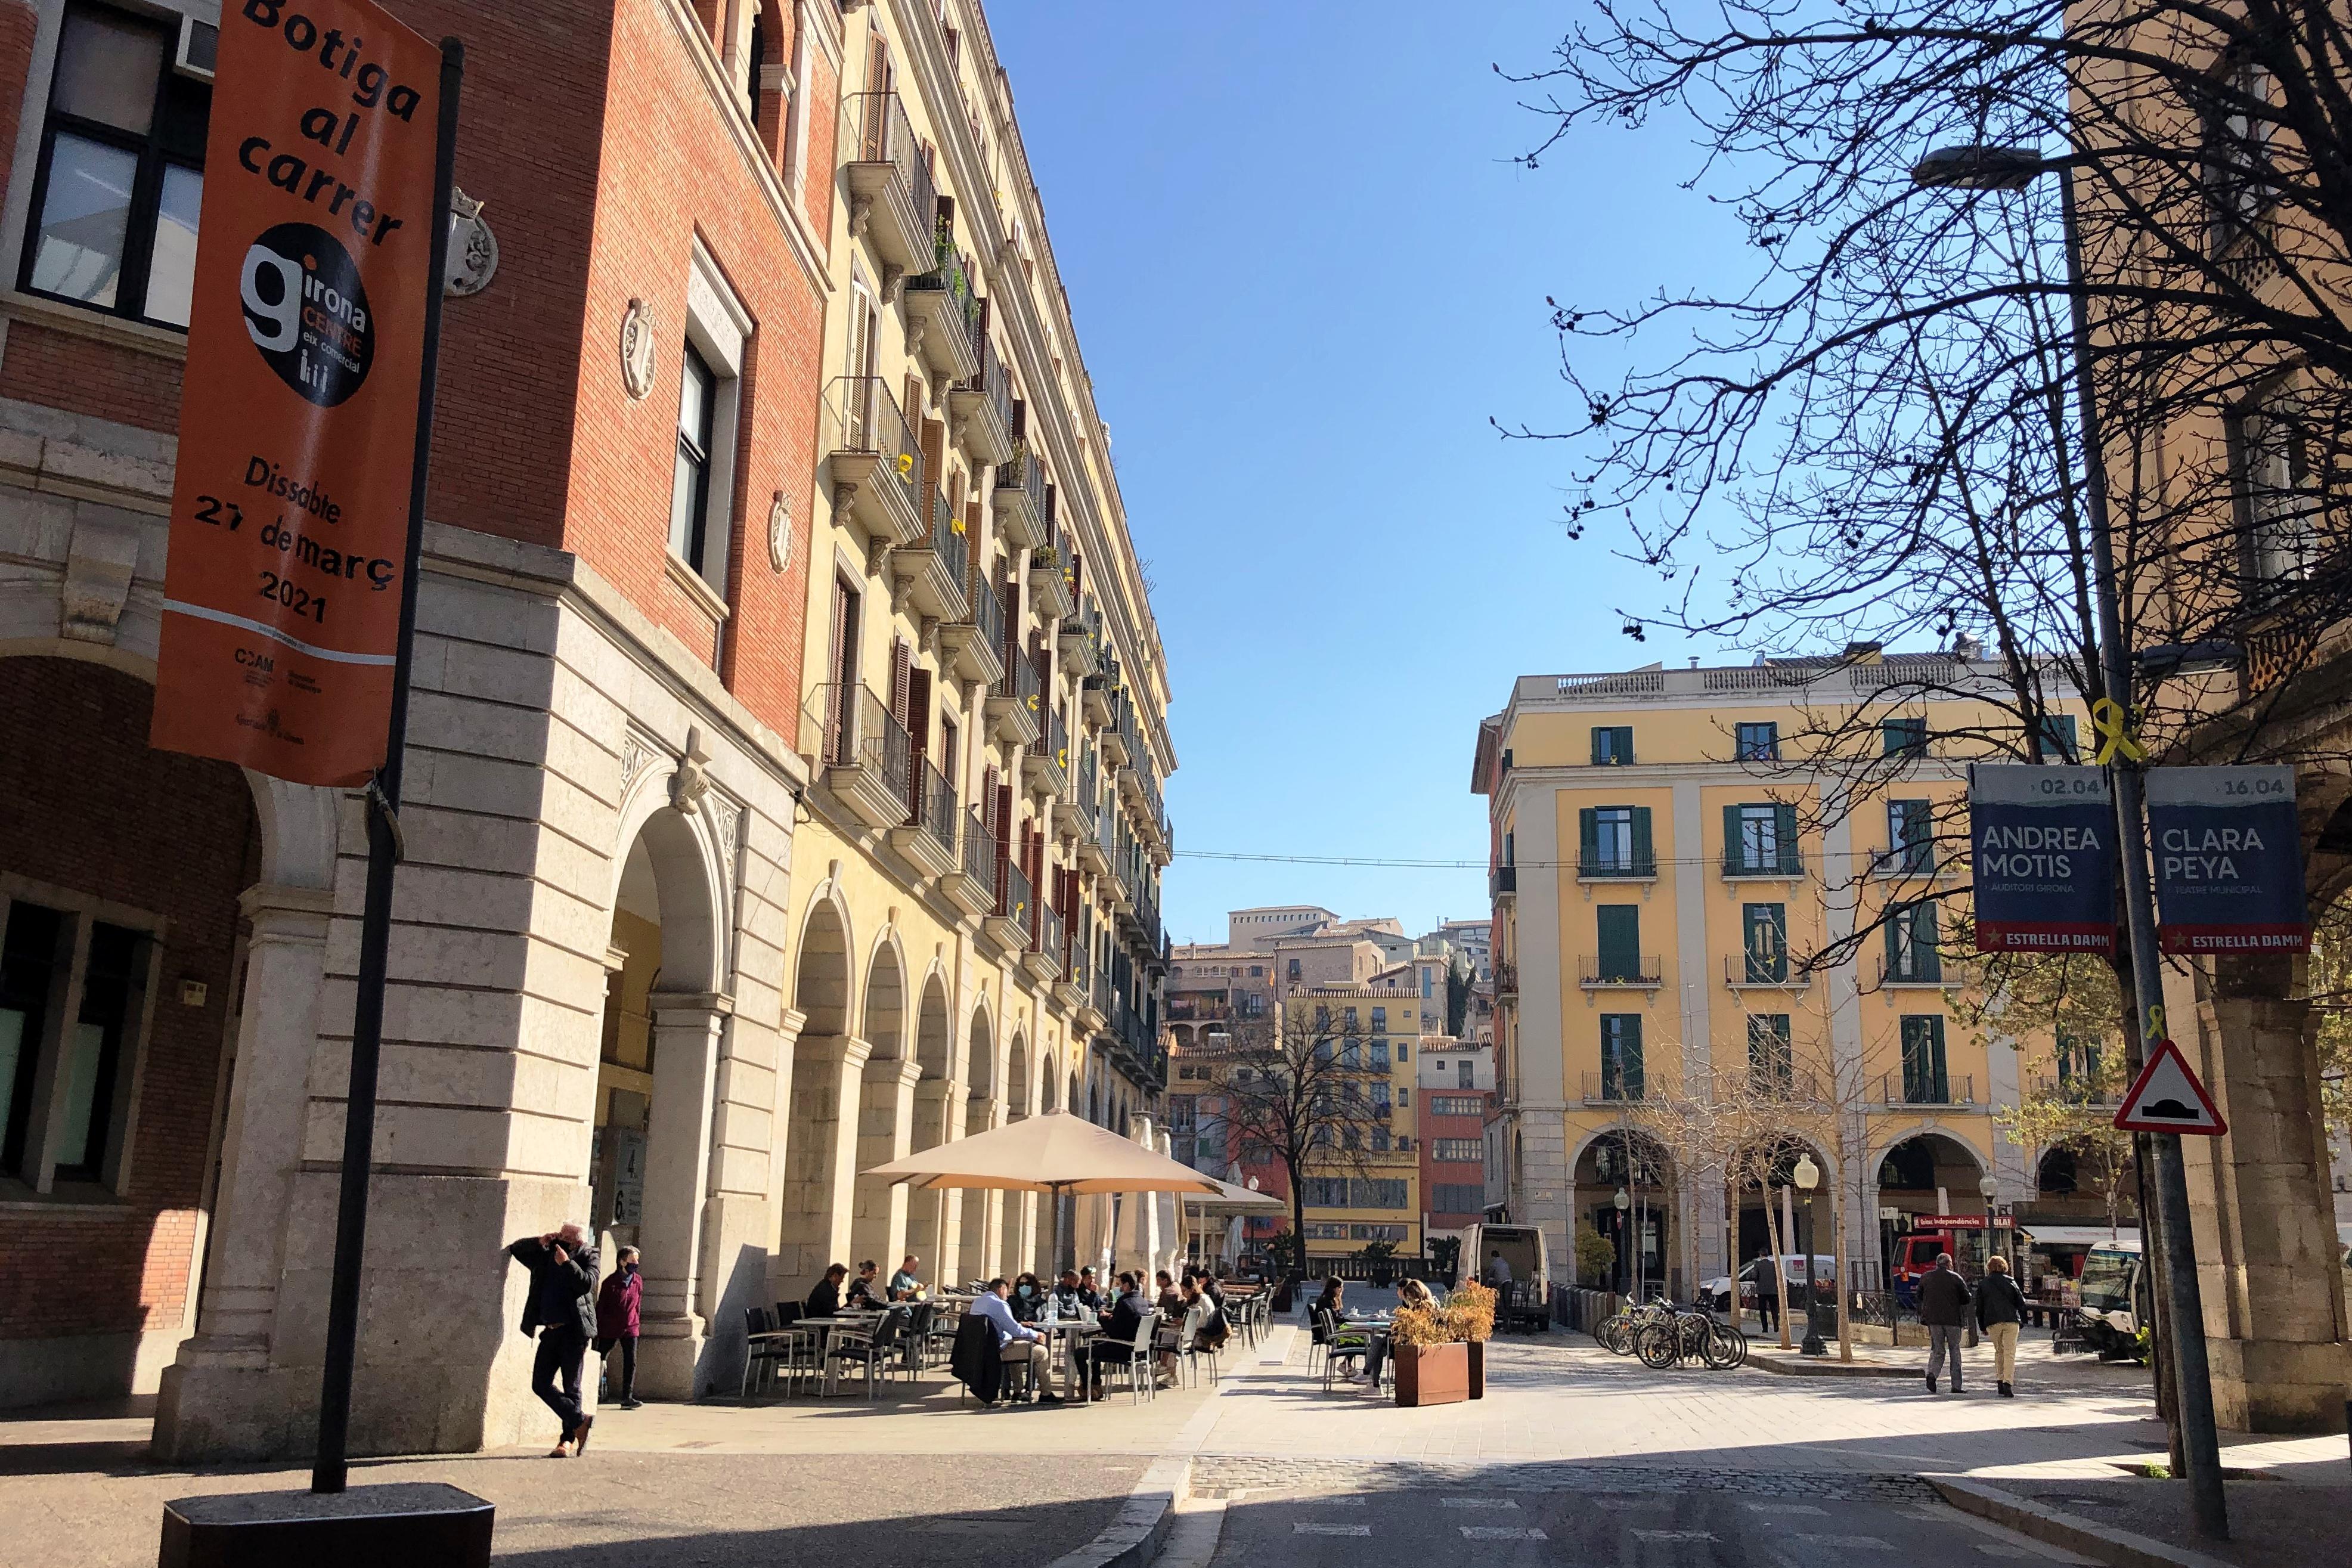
{"x": 1768, "y": 1292}
{"x": 562, "y": 1308}
{"x": 1943, "y": 1307}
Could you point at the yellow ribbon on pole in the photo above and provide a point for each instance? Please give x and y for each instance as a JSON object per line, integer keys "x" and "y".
{"x": 2112, "y": 722}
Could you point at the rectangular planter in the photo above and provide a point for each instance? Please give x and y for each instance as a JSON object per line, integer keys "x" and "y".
{"x": 1477, "y": 1349}
{"x": 1433, "y": 1375}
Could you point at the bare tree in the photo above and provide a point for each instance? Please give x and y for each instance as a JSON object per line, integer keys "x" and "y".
{"x": 1299, "y": 1088}
{"x": 2075, "y": 1115}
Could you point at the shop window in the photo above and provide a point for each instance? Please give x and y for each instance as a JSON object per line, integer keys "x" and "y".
{"x": 73, "y": 995}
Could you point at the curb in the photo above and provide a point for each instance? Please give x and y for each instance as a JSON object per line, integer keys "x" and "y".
{"x": 1791, "y": 1365}
{"x": 2101, "y": 1542}
{"x": 1135, "y": 1537}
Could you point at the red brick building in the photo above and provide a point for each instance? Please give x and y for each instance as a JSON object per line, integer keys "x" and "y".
{"x": 1457, "y": 1090}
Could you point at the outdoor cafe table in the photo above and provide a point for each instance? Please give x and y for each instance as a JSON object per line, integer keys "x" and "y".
{"x": 1074, "y": 1335}
{"x": 824, "y": 1329}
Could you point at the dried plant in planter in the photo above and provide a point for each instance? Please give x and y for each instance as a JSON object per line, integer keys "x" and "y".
{"x": 1470, "y": 1313}
{"x": 1412, "y": 1326}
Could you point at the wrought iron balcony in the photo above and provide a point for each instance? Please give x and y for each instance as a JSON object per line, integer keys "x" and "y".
{"x": 2076, "y": 1090}
{"x": 892, "y": 203}
{"x": 982, "y": 409}
{"x": 1922, "y": 966}
{"x": 876, "y": 464}
{"x": 1612, "y": 864}
{"x": 1010, "y": 925}
{"x": 865, "y": 756}
{"x": 945, "y": 316}
{"x": 1768, "y": 861}
{"x": 1049, "y": 585}
{"x": 1015, "y": 700}
{"x": 973, "y": 884}
{"x": 1613, "y": 1088}
{"x": 1772, "y": 970}
{"x": 1046, "y": 765}
{"x": 930, "y": 571}
{"x": 1047, "y": 950}
{"x": 929, "y": 841}
{"x": 1645, "y": 968}
{"x": 1021, "y": 496}
{"x": 974, "y": 641}
{"x": 1503, "y": 882}
{"x": 1081, "y": 639}
{"x": 1924, "y": 1086}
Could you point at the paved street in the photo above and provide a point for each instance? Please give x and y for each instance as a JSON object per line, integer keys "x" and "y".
{"x": 1606, "y": 1459}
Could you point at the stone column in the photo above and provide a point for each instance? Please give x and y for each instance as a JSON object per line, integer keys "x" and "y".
{"x": 2268, "y": 1260}
{"x": 886, "y": 1125}
{"x": 820, "y": 1156}
{"x": 685, "y": 1032}
{"x": 214, "y": 1400}
{"x": 935, "y": 1099}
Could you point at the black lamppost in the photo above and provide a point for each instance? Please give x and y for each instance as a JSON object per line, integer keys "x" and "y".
{"x": 1624, "y": 1201}
{"x": 1808, "y": 1176}
{"x": 1996, "y": 168}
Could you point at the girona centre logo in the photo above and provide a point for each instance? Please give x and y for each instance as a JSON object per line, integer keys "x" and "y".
{"x": 307, "y": 312}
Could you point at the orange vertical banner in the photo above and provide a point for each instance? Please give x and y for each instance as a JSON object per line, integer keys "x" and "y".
{"x": 298, "y": 417}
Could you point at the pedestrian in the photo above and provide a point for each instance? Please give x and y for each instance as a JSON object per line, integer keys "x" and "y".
{"x": 561, "y": 1307}
{"x": 1768, "y": 1293}
{"x": 1943, "y": 1309}
{"x": 2000, "y": 1310}
{"x": 617, "y": 1306}
{"x": 1498, "y": 1272}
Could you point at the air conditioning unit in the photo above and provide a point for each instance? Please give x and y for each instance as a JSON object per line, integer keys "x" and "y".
{"x": 199, "y": 52}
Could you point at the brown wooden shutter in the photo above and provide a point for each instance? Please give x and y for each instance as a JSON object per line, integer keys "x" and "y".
{"x": 935, "y": 466}
{"x": 919, "y": 713}
{"x": 900, "y": 660}
{"x": 988, "y": 818}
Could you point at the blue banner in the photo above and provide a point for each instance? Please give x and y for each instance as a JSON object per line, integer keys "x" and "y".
{"x": 2229, "y": 860}
{"x": 2042, "y": 840}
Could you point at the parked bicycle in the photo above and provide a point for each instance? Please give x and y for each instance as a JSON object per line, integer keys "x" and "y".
{"x": 1690, "y": 1334}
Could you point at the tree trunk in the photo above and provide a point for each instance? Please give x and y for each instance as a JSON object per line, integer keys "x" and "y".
{"x": 1773, "y": 1234}
{"x": 1841, "y": 1271}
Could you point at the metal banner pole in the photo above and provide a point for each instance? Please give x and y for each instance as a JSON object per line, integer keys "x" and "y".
{"x": 330, "y": 1469}
{"x": 2192, "y": 1379}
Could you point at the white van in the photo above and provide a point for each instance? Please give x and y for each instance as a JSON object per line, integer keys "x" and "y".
{"x": 1522, "y": 1247}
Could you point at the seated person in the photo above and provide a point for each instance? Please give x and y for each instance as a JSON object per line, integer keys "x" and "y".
{"x": 1065, "y": 1293}
{"x": 1088, "y": 1292}
{"x": 1116, "y": 1343}
{"x": 1199, "y": 1323}
{"x": 1028, "y": 1298}
{"x": 1171, "y": 1305}
{"x": 1017, "y": 1344}
{"x": 866, "y": 1290}
{"x": 824, "y": 1297}
{"x": 1333, "y": 1300}
{"x": 906, "y": 1284}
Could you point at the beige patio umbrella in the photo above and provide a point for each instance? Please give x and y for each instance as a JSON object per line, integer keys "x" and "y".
{"x": 1055, "y": 1152}
{"x": 1230, "y": 1201}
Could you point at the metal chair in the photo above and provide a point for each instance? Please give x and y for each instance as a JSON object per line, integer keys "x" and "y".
{"x": 873, "y": 1348}
{"x": 759, "y": 1354}
{"x": 1136, "y": 1361}
{"x": 1339, "y": 1344}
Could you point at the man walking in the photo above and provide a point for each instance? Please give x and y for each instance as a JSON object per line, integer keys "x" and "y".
{"x": 562, "y": 1307}
{"x": 1943, "y": 1309}
{"x": 2000, "y": 1310}
{"x": 1768, "y": 1293}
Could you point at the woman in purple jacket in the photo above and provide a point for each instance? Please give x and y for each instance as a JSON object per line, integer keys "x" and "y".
{"x": 617, "y": 1321}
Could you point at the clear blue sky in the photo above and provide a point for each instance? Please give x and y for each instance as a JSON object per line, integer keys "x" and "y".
{"x": 1305, "y": 271}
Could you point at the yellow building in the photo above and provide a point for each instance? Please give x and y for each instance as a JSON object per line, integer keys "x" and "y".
{"x": 1369, "y": 1189}
{"x": 974, "y": 927}
{"x": 1669, "y": 847}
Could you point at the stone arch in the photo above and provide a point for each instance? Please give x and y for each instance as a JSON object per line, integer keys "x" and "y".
{"x": 828, "y": 1064}
{"x": 937, "y": 1117}
{"x": 1017, "y": 1103}
{"x": 886, "y": 1107}
{"x": 1598, "y": 1170}
{"x": 1076, "y": 1080}
{"x": 1049, "y": 1078}
{"x": 883, "y": 1027}
{"x": 978, "y": 1211}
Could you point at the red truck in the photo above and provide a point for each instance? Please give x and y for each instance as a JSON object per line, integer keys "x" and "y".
{"x": 1970, "y": 1238}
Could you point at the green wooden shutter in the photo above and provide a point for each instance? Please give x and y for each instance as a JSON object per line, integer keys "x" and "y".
{"x": 1734, "y": 858}
{"x": 1785, "y": 824}
{"x": 1645, "y": 863}
{"x": 1629, "y": 1057}
{"x": 1895, "y": 943}
{"x": 1588, "y": 839}
{"x": 1599, "y": 745}
{"x": 1619, "y": 929}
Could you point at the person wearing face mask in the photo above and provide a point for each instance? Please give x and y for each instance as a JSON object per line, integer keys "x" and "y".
{"x": 1028, "y": 1303}
{"x": 617, "y": 1306}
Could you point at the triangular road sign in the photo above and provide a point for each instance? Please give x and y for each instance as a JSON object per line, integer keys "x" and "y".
{"x": 2167, "y": 1098}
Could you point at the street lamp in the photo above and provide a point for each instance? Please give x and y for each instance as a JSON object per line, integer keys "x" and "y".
{"x": 1623, "y": 1202}
{"x": 1808, "y": 1176}
{"x": 1995, "y": 168}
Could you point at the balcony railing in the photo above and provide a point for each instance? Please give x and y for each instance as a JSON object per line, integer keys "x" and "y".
{"x": 951, "y": 539}
{"x": 1014, "y": 896}
{"x": 980, "y": 861}
{"x": 1184, "y": 1009}
{"x": 1506, "y": 980}
{"x": 1599, "y": 864}
{"x": 1051, "y": 940}
{"x": 1783, "y": 1085}
{"x": 1057, "y": 738}
{"x": 860, "y": 730}
{"x": 1763, "y": 969}
{"x": 1923, "y": 966}
{"x": 936, "y": 809}
{"x": 1022, "y": 682}
{"x": 866, "y": 422}
{"x": 2075, "y": 1090}
{"x": 958, "y": 315}
{"x": 1503, "y": 881}
{"x": 987, "y": 610}
{"x": 1905, "y": 860}
{"x": 1925, "y": 1086}
{"x": 983, "y": 407}
{"x": 894, "y": 201}
{"x": 1613, "y": 1088}
{"x": 1749, "y": 860}
{"x": 1622, "y": 969}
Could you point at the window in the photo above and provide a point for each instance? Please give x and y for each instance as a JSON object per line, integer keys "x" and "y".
{"x": 1614, "y": 841}
{"x": 1458, "y": 1150}
{"x": 1455, "y": 1105}
{"x": 1380, "y": 1192}
{"x": 1379, "y": 1056}
{"x": 1380, "y": 1020}
{"x": 1764, "y": 939}
{"x": 1910, "y": 833}
{"x": 689, "y": 489}
{"x": 1467, "y": 1078}
{"x": 1912, "y": 956}
{"x": 1924, "y": 1082}
{"x": 2279, "y": 519}
{"x": 1903, "y": 737}
{"x": 1619, "y": 930}
{"x": 1456, "y": 1197}
{"x": 2058, "y": 739}
{"x": 1756, "y": 743}
{"x": 2236, "y": 172}
{"x": 1612, "y": 746}
{"x": 1771, "y": 1066}
{"x": 121, "y": 172}
{"x": 1379, "y": 1140}
{"x": 701, "y": 505}
{"x": 1760, "y": 840}
{"x": 1325, "y": 1192}
{"x": 1620, "y": 1055}
{"x": 1379, "y": 1099}
{"x": 72, "y": 994}
{"x": 1294, "y": 969}
{"x": 2078, "y": 1062}
{"x": 1404, "y": 1052}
